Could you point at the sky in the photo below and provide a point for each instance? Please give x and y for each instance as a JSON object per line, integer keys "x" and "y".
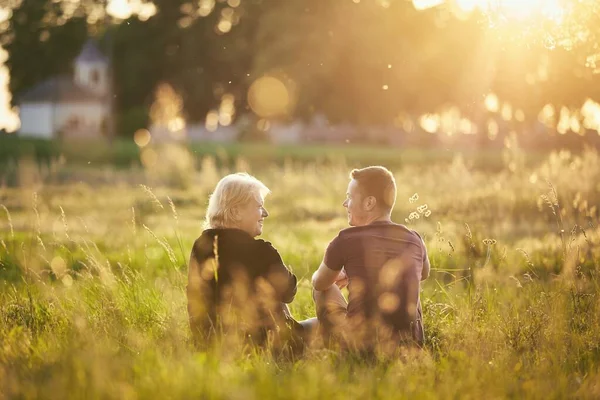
{"x": 9, "y": 119}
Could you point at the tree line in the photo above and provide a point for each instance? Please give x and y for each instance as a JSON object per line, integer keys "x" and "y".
{"x": 357, "y": 62}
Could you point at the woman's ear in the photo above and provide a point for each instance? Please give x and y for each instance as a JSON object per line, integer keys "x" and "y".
{"x": 235, "y": 213}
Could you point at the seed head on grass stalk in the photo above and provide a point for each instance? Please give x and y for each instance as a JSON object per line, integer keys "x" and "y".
{"x": 10, "y": 224}
{"x": 173, "y": 209}
{"x": 451, "y": 246}
{"x": 176, "y": 217}
{"x": 517, "y": 281}
{"x": 552, "y": 200}
{"x": 164, "y": 245}
{"x": 63, "y": 218}
{"x": 38, "y": 225}
{"x": 469, "y": 236}
{"x": 489, "y": 243}
{"x": 152, "y": 196}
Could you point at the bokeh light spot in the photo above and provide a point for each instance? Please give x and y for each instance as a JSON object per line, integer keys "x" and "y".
{"x": 58, "y": 266}
{"x": 148, "y": 157}
{"x": 142, "y": 137}
{"x": 388, "y": 302}
{"x": 212, "y": 120}
{"x": 269, "y": 97}
{"x": 492, "y": 104}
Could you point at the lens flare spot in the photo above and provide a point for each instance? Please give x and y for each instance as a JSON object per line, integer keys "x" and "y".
{"x": 492, "y": 104}
{"x": 263, "y": 125}
{"x": 142, "y": 137}
{"x": 67, "y": 280}
{"x": 224, "y": 26}
{"x": 205, "y": 7}
{"x": 148, "y": 157}
{"x": 212, "y": 120}
{"x": 58, "y": 266}
{"x": 430, "y": 123}
{"x": 269, "y": 97}
{"x": 388, "y": 302}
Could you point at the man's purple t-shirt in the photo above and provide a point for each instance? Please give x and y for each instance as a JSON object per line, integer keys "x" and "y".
{"x": 385, "y": 263}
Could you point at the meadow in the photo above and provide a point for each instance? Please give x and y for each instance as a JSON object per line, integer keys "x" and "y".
{"x": 93, "y": 270}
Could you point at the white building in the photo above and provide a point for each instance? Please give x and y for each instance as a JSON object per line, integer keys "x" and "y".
{"x": 70, "y": 107}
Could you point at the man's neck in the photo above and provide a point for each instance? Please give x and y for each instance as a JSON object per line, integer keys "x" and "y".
{"x": 379, "y": 218}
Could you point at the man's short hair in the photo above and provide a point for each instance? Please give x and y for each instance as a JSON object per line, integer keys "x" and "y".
{"x": 378, "y": 182}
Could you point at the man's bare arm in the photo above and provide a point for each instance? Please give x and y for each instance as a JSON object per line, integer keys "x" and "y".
{"x": 324, "y": 277}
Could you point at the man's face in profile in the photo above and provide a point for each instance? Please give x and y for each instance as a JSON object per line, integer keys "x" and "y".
{"x": 357, "y": 214}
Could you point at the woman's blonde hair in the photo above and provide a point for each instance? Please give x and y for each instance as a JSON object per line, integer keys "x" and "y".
{"x": 231, "y": 191}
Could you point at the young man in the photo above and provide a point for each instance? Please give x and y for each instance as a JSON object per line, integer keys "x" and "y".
{"x": 381, "y": 262}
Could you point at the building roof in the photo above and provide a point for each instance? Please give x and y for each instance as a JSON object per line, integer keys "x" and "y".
{"x": 91, "y": 53}
{"x": 60, "y": 89}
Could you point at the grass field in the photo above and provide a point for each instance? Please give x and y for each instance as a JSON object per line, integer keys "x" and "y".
{"x": 93, "y": 274}
{"x": 125, "y": 154}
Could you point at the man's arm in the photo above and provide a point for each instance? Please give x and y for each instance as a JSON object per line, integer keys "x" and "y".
{"x": 324, "y": 277}
{"x": 330, "y": 270}
{"x": 426, "y": 266}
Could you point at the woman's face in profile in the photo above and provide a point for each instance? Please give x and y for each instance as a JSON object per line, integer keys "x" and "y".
{"x": 252, "y": 217}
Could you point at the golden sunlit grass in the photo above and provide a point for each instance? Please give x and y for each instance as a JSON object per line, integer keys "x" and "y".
{"x": 92, "y": 285}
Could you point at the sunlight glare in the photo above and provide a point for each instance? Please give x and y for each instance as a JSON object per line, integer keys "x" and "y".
{"x": 591, "y": 115}
{"x": 124, "y": 9}
{"x": 119, "y": 9}
{"x": 9, "y": 119}
{"x": 492, "y": 103}
{"x": 517, "y": 10}
{"x": 425, "y": 4}
{"x": 468, "y": 5}
{"x": 510, "y": 10}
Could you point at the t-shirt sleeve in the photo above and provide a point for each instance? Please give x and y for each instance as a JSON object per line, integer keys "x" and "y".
{"x": 426, "y": 266}
{"x": 334, "y": 254}
{"x": 283, "y": 281}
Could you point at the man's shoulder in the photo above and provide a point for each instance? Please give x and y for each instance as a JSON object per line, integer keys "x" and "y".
{"x": 391, "y": 229}
{"x": 349, "y": 231}
{"x": 352, "y": 232}
{"x": 412, "y": 235}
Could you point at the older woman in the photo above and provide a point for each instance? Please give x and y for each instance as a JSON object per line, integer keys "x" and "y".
{"x": 236, "y": 282}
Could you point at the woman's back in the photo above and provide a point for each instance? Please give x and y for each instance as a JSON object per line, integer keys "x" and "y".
{"x": 237, "y": 283}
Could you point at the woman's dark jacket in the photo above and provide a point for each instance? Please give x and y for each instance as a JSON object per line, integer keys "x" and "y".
{"x": 238, "y": 283}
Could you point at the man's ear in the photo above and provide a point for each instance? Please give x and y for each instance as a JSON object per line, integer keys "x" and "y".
{"x": 370, "y": 203}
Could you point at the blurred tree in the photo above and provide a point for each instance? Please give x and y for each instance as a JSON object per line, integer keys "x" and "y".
{"x": 363, "y": 63}
{"x": 41, "y": 42}
{"x": 178, "y": 47}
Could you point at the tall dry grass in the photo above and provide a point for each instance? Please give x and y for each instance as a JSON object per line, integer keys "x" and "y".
{"x": 92, "y": 296}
